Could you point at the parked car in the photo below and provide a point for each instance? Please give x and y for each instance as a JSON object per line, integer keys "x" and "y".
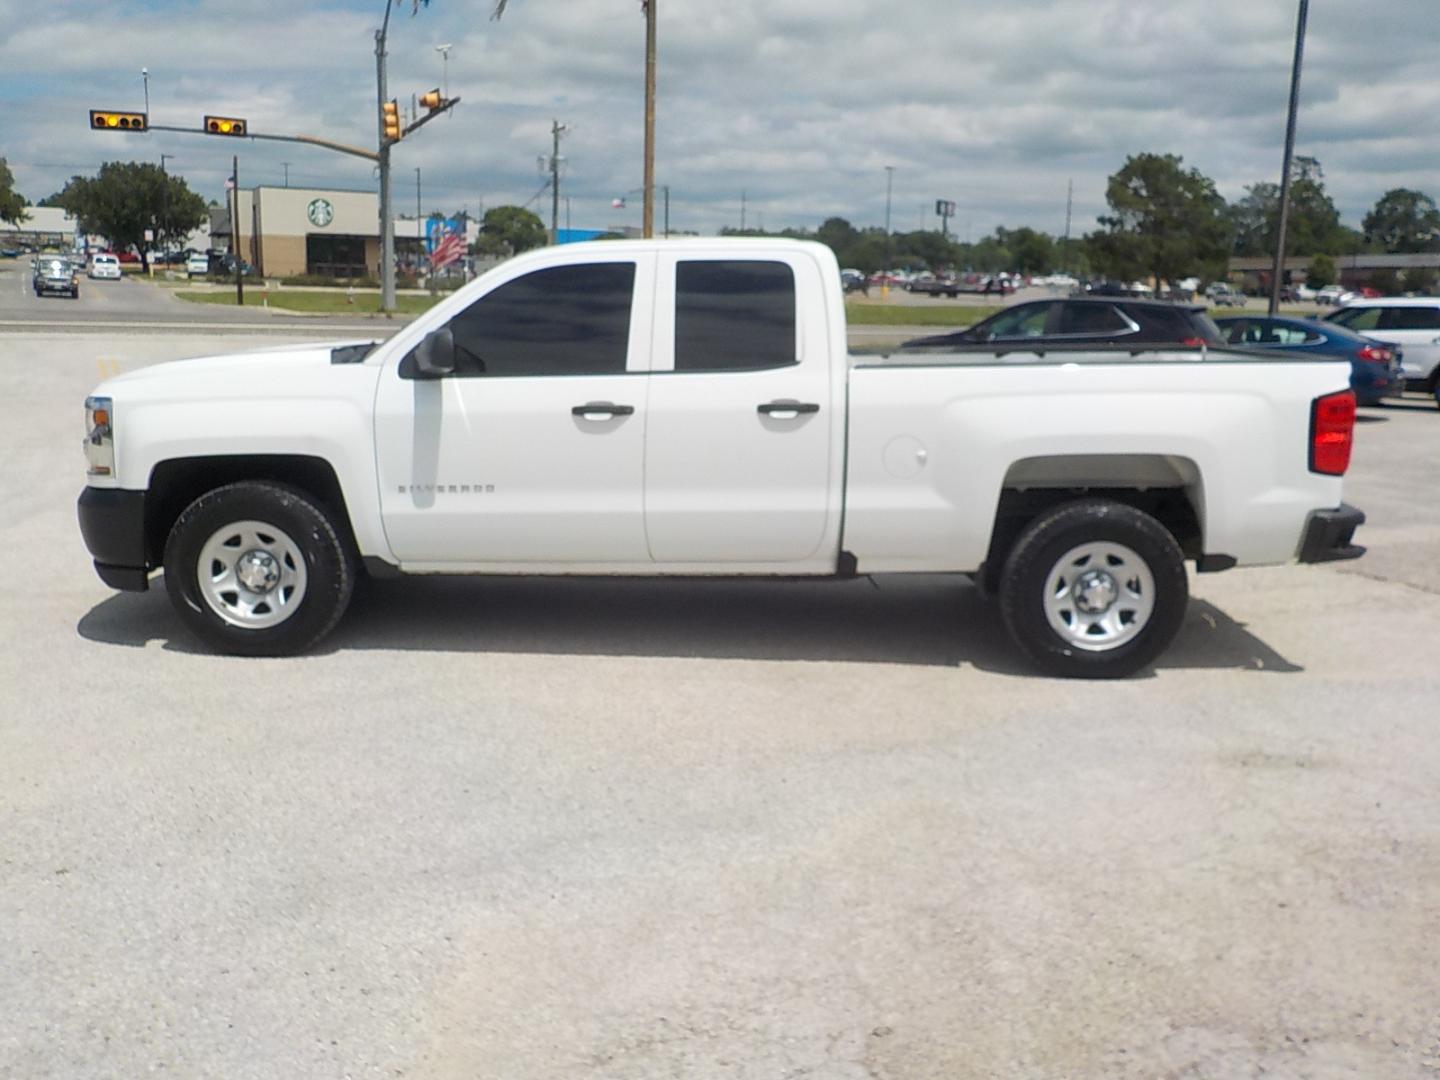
{"x": 1410, "y": 322}
{"x": 197, "y": 265}
{"x": 1221, "y": 294}
{"x": 1334, "y": 295}
{"x": 854, "y": 281}
{"x": 55, "y": 274}
{"x": 1298, "y": 293}
{"x": 1086, "y": 320}
{"x": 930, "y": 285}
{"x": 1375, "y": 371}
{"x": 129, "y": 258}
{"x": 105, "y": 266}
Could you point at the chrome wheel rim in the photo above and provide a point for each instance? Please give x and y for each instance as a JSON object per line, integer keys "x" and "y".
{"x": 1099, "y": 595}
{"x": 251, "y": 574}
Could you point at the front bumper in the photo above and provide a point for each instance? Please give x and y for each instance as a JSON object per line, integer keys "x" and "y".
{"x": 112, "y": 521}
{"x": 1328, "y": 534}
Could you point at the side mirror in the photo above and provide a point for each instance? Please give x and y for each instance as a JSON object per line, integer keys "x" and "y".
{"x": 435, "y": 355}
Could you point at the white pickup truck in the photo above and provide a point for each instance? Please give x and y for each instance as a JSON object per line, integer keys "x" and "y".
{"x": 689, "y": 407}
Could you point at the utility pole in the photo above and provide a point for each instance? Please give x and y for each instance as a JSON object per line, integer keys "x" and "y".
{"x": 889, "y": 186}
{"x": 165, "y": 201}
{"x": 647, "y": 225}
{"x": 556, "y": 128}
{"x": 1065, "y": 242}
{"x": 419, "y": 223}
{"x": 742, "y": 210}
{"x": 1279, "y": 271}
{"x": 235, "y": 232}
{"x": 667, "y": 210}
{"x": 387, "y": 222}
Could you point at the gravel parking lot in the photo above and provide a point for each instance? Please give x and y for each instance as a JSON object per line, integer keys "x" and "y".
{"x": 526, "y": 828}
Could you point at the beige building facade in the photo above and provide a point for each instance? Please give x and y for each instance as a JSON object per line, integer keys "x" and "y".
{"x": 310, "y": 231}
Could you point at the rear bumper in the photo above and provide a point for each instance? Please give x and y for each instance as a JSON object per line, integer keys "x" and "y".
{"x": 112, "y": 521}
{"x": 1328, "y": 534}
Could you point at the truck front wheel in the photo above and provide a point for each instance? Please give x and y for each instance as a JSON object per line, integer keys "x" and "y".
{"x": 258, "y": 569}
{"x": 1094, "y": 589}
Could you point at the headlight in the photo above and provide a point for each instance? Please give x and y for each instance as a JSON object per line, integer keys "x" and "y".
{"x": 100, "y": 437}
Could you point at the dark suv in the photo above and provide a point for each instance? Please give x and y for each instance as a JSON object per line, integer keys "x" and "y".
{"x": 1086, "y": 320}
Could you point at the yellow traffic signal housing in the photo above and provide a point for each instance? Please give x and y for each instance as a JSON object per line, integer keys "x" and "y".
{"x": 224, "y": 125}
{"x": 432, "y": 99}
{"x": 390, "y": 120}
{"x": 105, "y": 120}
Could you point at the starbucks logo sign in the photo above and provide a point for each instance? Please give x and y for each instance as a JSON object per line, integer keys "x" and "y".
{"x": 320, "y": 212}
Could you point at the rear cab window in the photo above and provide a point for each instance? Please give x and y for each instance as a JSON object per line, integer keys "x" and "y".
{"x": 734, "y": 315}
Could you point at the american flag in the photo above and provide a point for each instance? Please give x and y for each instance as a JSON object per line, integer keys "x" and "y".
{"x": 448, "y": 249}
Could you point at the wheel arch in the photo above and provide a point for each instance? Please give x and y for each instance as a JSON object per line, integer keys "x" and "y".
{"x": 1169, "y": 488}
{"x": 177, "y": 482}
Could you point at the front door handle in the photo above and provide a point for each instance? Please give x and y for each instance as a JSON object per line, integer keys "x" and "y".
{"x": 786, "y": 410}
{"x": 601, "y": 410}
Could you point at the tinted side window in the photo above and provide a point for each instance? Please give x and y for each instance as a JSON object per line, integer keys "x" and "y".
{"x": 566, "y": 320}
{"x": 1367, "y": 318}
{"x": 1410, "y": 318}
{"x": 734, "y": 315}
{"x": 1093, "y": 319}
{"x": 1023, "y": 320}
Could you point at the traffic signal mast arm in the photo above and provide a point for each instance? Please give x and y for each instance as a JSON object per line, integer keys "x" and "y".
{"x": 442, "y": 105}
{"x": 312, "y": 140}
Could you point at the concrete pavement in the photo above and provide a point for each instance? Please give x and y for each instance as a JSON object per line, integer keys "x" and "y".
{"x": 527, "y": 828}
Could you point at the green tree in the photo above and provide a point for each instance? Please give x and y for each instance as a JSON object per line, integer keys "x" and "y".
{"x": 1032, "y": 252}
{"x": 509, "y": 230}
{"x": 1404, "y": 222}
{"x": 1322, "y": 272}
{"x": 12, "y": 203}
{"x": 1421, "y": 279}
{"x": 1313, "y": 225}
{"x": 126, "y": 198}
{"x": 1165, "y": 220}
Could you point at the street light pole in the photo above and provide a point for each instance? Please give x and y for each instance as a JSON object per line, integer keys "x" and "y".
{"x": 1279, "y": 270}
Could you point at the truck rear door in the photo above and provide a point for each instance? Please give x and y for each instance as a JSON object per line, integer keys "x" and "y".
{"x": 744, "y": 419}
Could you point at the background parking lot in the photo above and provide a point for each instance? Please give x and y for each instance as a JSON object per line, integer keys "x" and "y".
{"x": 534, "y": 828}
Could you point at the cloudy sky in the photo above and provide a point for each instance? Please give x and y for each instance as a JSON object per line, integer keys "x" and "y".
{"x": 798, "y": 104}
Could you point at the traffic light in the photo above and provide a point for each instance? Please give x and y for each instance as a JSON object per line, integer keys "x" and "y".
{"x": 432, "y": 99}
{"x": 390, "y": 120}
{"x": 104, "y": 120}
{"x": 224, "y": 125}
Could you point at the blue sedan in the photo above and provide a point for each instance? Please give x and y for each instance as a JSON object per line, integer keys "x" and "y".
{"x": 1374, "y": 365}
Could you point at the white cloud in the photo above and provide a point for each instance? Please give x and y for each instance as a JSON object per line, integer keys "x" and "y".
{"x": 798, "y": 103}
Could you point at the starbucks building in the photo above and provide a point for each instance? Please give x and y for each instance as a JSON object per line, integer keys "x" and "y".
{"x": 310, "y": 231}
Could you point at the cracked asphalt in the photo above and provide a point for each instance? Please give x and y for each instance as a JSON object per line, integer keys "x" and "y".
{"x": 525, "y": 828}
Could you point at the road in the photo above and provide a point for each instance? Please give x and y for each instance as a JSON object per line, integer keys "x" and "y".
{"x": 134, "y": 305}
{"x": 529, "y": 828}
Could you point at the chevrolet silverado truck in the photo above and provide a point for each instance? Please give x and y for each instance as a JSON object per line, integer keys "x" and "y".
{"x": 689, "y": 407}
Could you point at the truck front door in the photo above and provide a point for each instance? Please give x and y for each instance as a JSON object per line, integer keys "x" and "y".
{"x": 532, "y": 451}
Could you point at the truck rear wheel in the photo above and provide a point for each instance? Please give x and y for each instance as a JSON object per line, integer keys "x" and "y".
{"x": 1094, "y": 589}
{"x": 258, "y": 569}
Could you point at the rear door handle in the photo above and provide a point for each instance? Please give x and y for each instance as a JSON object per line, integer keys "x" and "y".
{"x": 601, "y": 410}
{"x": 786, "y": 410}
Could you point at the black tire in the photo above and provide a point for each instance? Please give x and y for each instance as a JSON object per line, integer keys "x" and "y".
{"x": 1038, "y": 553}
{"x": 310, "y": 549}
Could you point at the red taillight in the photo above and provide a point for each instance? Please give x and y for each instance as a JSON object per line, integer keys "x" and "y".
{"x": 1192, "y": 342}
{"x": 1375, "y": 354}
{"x": 1332, "y": 432}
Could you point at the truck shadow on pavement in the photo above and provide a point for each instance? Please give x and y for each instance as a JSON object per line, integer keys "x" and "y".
{"x": 937, "y": 620}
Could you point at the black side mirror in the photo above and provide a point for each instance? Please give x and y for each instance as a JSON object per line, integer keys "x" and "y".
{"x": 435, "y": 355}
